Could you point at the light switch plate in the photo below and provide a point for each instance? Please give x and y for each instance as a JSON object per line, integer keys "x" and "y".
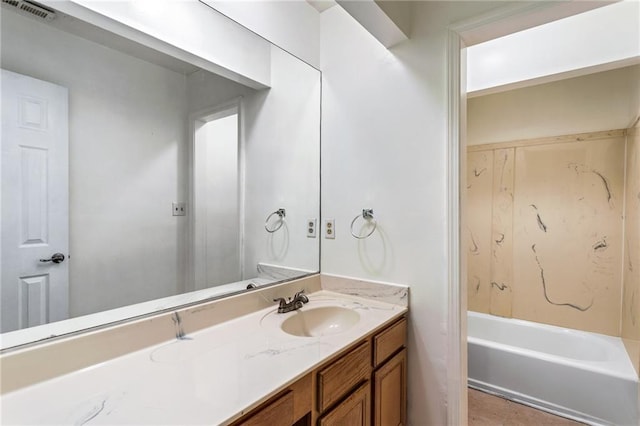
{"x": 330, "y": 229}
{"x": 179, "y": 209}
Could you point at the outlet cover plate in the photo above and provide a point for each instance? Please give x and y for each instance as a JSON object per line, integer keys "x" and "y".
{"x": 312, "y": 226}
{"x": 330, "y": 229}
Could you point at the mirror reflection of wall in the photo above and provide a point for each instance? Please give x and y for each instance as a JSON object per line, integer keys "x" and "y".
{"x": 133, "y": 154}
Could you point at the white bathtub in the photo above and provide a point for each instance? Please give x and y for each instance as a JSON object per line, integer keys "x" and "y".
{"x": 584, "y": 376}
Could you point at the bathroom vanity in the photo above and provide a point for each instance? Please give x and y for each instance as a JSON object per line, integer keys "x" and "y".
{"x": 340, "y": 358}
{"x": 364, "y": 385}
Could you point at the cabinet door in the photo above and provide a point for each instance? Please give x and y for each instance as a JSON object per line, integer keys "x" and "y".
{"x": 353, "y": 411}
{"x": 390, "y": 392}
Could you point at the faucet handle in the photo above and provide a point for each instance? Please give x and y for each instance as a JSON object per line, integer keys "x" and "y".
{"x": 301, "y": 296}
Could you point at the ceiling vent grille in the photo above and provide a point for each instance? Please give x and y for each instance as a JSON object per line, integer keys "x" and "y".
{"x": 31, "y": 8}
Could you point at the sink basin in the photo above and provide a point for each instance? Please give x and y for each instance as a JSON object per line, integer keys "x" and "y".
{"x": 320, "y": 321}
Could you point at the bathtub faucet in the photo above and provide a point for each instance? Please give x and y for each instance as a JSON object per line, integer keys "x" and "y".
{"x": 295, "y": 303}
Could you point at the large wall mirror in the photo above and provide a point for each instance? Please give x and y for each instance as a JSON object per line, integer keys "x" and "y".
{"x": 135, "y": 181}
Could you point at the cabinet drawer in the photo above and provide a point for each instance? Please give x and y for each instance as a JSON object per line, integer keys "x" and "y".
{"x": 387, "y": 342}
{"x": 353, "y": 411}
{"x": 336, "y": 380}
{"x": 277, "y": 413}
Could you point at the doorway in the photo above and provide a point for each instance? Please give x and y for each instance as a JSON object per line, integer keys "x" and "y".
{"x": 217, "y": 198}
{"x": 495, "y": 24}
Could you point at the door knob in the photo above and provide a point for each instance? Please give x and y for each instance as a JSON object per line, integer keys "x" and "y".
{"x": 56, "y": 258}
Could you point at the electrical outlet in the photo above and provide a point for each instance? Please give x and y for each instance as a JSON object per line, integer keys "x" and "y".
{"x": 330, "y": 229}
{"x": 179, "y": 209}
{"x": 311, "y": 228}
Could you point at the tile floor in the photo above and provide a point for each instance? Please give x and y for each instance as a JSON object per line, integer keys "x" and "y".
{"x": 490, "y": 410}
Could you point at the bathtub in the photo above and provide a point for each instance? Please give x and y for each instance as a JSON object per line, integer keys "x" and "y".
{"x": 584, "y": 376}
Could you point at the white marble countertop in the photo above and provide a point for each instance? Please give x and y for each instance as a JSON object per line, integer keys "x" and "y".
{"x": 209, "y": 377}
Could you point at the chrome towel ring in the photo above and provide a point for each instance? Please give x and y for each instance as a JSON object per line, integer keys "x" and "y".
{"x": 367, "y": 214}
{"x": 281, "y": 215}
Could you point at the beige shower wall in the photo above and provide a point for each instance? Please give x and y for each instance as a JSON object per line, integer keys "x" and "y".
{"x": 545, "y": 230}
{"x": 631, "y": 262}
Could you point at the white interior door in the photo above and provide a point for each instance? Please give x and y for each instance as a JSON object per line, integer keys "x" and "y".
{"x": 34, "y": 202}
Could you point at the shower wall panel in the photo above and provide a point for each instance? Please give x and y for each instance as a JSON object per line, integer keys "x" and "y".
{"x": 568, "y": 227}
{"x": 502, "y": 233}
{"x": 631, "y": 263}
{"x": 478, "y": 232}
{"x": 556, "y": 231}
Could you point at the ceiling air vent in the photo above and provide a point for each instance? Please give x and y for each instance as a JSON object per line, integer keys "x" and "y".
{"x": 31, "y": 8}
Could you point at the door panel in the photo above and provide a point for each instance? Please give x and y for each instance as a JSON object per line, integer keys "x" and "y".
{"x": 34, "y": 201}
{"x": 34, "y": 300}
{"x": 33, "y": 192}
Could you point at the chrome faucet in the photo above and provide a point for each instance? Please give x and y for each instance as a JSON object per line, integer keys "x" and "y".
{"x": 293, "y": 304}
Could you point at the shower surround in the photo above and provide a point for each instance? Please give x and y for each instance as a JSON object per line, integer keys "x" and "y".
{"x": 545, "y": 230}
{"x": 631, "y": 259}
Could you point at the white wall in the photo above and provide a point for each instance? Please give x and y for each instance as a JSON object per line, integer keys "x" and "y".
{"x": 384, "y": 146}
{"x": 282, "y": 143}
{"x": 127, "y": 133}
{"x": 602, "y": 101}
{"x": 291, "y": 25}
{"x": 606, "y": 35}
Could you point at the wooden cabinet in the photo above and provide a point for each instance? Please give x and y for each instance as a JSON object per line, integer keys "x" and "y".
{"x": 390, "y": 376}
{"x": 390, "y": 392}
{"x": 375, "y": 370}
{"x": 389, "y": 341}
{"x": 289, "y": 407}
{"x": 353, "y": 411}
{"x": 366, "y": 385}
{"x": 275, "y": 413}
{"x": 340, "y": 377}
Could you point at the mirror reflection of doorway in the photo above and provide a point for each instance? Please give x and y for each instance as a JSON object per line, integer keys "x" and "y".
{"x": 217, "y": 217}
{"x": 35, "y": 193}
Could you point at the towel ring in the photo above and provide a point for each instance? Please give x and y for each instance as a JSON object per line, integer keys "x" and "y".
{"x": 367, "y": 214}
{"x": 281, "y": 214}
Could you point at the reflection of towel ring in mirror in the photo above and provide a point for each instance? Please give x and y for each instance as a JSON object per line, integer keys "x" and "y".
{"x": 367, "y": 214}
{"x": 281, "y": 214}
